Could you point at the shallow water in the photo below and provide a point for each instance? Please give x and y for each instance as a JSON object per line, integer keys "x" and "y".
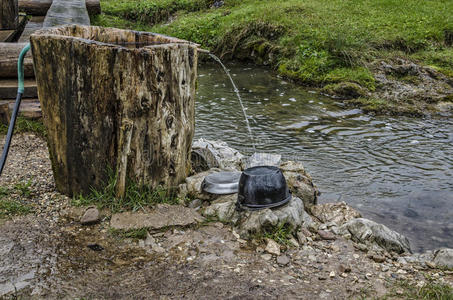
{"x": 395, "y": 170}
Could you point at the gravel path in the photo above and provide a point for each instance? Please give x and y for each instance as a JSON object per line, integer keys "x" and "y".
{"x": 49, "y": 254}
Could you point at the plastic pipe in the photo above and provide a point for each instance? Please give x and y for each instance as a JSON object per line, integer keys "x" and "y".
{"x": 20, "y": 92}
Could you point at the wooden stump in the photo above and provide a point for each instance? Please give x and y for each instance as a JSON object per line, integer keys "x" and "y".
{"x": 9, "y": 14}
{"x": 115, "y": 98}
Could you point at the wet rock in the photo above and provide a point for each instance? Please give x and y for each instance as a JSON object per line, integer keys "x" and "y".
{"x": 326, "y": 235}
{"x": 283, "y": 260}
{"x": 90, "y": 216}
{"x": 367, "y": 231}
{"x": 215, "y": 154}
{"x": 299, "y": 182}
{"x": 162, "y": 216}
{"x": 272, "y": 247}
{"x": 444, "y": 258}
{"x": 263, "y": 159}
{"x": 338, "y": 213}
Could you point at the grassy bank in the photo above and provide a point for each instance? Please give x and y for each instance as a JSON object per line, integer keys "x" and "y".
{"x": 315, "y": 42}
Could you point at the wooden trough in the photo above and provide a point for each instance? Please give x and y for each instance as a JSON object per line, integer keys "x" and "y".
{"x": 115, "y": 99}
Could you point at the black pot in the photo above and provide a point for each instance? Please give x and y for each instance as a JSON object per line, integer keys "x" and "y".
{"x": 262, "y": 187}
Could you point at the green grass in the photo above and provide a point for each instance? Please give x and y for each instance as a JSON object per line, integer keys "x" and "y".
{"x": 315, "y": 42}
{"x": 431, "y": 290}
{"x": 281, "y": 234}
{"x": 10, "y": 207}
{"x": 137, "y": 234}
{"x": 25, "y": 125}
{"x": 136, "y": 197}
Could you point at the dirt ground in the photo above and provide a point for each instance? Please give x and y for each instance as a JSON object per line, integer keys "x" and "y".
{"x": 49, "y": 254}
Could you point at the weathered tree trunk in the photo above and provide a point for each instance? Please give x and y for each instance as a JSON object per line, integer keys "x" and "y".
{"x": 130, "y": 107}
{"x": 40, "y": 7}
{"x": 9, "y": 14}
{"x": 9, "y": 54}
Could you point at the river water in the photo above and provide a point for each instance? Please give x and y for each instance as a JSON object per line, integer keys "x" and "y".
{"x": 395, "y": 170}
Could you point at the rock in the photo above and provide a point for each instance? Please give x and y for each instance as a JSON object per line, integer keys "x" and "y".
{"x": 299, "y": 182}
{"x": 266, "y": 257}
{"x": 215, "y": 154}
{"x": 90, "y": 216}
{"x": 444, "y": 258}
{"x": 195, "y": 204}
{"x": 218, "y": 4}
{"x": 377, "y": 258}
{"x": 163, "y": 216}
{"x": 252, "y": 222}
{"x": 326, "y": 235}
{"x": 192, "y": 186}
{"x": 344, "y": 268}
{"x": 301, "y": 237}
{"x": 345, "y": 90}
{"x": 264, "y": 159}
{"x": 224, "y": 211}
{"x": 272, "y": 247}
{"x": 364, "y": 230}
{"x": 283, "y": 260}
{"x": 338, "y": 213}
{"x": 293, "y": 242}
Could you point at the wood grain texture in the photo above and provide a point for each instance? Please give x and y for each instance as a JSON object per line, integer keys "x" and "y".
{"x": 9, "y": 54}
{"x": 96, "y": 96}
{"x": 9, "y": 14}
{"x": 40, "y": 7}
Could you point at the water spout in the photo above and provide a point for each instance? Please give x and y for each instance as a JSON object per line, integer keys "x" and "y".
{"x": 238, "y": 95}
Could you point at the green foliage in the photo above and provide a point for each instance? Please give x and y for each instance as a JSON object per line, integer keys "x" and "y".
{"x": 430, "y": 290}
{"x": 281, "y": 234}
{"x": 23, "y": 188}
{"x": 25, "y": 125}
{"x": 315, "y": 42}
{"x": 10, "y": 207}
{"x": 136, "y": 197}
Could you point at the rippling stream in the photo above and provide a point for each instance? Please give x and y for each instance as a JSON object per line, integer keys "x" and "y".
{"x": 395, "y": 170}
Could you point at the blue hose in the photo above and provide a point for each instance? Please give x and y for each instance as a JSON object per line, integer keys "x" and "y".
{"x": 20, "y": 92}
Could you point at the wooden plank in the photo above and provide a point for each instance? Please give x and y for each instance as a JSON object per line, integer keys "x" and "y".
{"x": 8, "y": 89}
{"x": 40, "y": 7}
{"x": 6, "y": 35}
{"x": 9, "y": 54}
{"x": 34, "y": 24}
{"x": 29, "y": 108}
{"x": 9, "y": 14}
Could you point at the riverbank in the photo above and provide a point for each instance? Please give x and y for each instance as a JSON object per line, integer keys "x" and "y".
{"x": 388, "y": 57}
{"x": 48, "y": 253}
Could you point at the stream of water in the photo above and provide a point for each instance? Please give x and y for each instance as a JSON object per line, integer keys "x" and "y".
{"x": 396, "y": 170}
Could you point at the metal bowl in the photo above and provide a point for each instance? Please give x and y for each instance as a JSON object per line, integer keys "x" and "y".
{"x": 221, "y": 183}
{"x": 263, "y": 187}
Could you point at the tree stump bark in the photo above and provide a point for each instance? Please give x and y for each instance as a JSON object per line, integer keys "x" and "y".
{"x": 9, "y": 14}
{"x": 115, "y": 99}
